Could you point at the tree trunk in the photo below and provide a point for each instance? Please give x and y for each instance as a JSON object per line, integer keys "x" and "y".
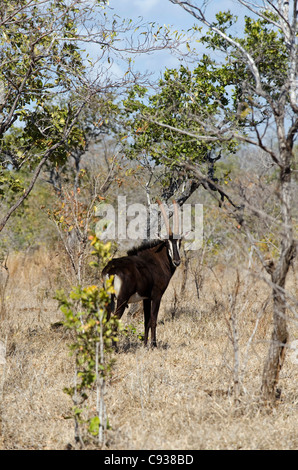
{"x": 279, "y": 338}
{"x": 276, "y": 353}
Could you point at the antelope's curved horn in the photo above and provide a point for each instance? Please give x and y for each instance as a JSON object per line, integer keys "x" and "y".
{"x": 169, "y": 231}
{"x": 176, "y": 218}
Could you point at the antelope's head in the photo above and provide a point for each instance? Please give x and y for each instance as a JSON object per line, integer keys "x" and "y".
{"x": 173, "y": 241}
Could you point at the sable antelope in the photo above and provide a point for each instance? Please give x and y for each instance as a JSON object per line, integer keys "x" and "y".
{"x": 144, "y": 274}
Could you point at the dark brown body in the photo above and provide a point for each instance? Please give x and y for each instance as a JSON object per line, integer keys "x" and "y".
{"x": 144, "y": 275}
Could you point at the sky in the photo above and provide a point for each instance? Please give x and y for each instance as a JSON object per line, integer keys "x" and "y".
{"x": 164, "y": 12}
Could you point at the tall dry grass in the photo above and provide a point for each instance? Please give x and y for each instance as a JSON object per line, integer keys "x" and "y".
{"x": 180, "y": 395}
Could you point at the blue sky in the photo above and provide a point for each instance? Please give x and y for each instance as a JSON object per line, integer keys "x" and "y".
{"x": 164, "y": 12}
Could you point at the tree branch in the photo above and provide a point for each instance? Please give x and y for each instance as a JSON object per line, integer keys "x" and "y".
{"x": 199, "y": 15}
{"x": 39, "y": 167}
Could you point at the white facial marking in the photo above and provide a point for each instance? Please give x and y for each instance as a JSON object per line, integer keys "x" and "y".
{"x": 171, "y": 252}
{"x": 178, "y": 248}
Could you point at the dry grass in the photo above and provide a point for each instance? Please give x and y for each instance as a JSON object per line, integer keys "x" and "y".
{"x": 178, "y": 396}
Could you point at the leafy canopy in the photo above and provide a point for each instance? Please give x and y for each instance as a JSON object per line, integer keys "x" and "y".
{"x": 186, "y": 101}
{"x": 209, "y": 106}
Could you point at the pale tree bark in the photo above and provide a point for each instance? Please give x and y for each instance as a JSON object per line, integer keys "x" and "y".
{"x": 279, "y": 338}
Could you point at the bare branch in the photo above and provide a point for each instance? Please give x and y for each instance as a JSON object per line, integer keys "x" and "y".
{"x": 218, "y": 135}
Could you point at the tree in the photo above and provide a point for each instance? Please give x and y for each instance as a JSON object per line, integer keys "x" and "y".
{"x": 251, "y": 93}
{"x": 47, "y": 78}
{"x": 185, "y": 100}
{"x": 94, "y": 333}
{"x": 265, "y": 60}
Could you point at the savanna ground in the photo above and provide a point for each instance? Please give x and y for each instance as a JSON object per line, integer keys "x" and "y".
{"x": 180, "y": 395}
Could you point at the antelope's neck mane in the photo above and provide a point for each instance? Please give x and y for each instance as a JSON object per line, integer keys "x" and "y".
{"x": 145, "y": 245}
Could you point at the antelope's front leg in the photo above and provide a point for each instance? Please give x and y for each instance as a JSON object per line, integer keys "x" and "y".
{"x": 147, "y": 319}
{"x": 153, "y": 319}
